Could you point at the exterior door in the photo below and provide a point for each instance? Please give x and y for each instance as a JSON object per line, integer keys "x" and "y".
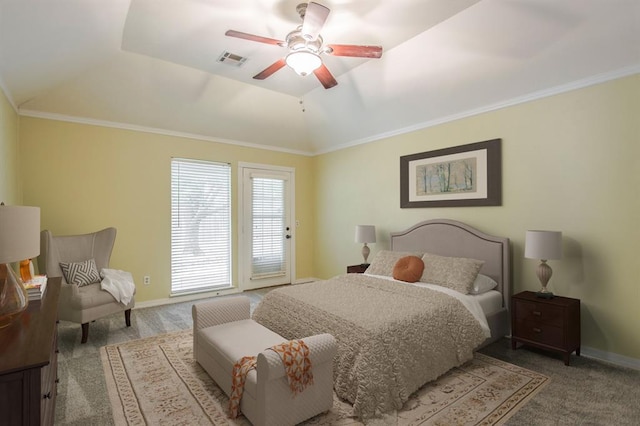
{"x": 266, "y": 235}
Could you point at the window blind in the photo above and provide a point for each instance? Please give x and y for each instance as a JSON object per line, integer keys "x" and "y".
{"x": 200, "y": 226}
{"x": 268, "y": 227}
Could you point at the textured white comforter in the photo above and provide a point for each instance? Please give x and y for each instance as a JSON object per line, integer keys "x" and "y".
{"x": 392, "y": 338}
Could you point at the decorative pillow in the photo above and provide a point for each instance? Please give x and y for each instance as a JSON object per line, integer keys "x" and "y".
{"x": 80, "y": 273}
{"x": 385, "y": 260}
{"x": 408, "y": 268}
{"x": 482, "y": 284}
{"x": 456, "y": 273}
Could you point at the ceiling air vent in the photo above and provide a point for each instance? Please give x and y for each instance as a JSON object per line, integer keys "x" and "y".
{"x": 232, "y": 59}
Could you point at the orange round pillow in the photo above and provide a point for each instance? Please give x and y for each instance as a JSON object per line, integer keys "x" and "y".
{"x": 409, "y": 269}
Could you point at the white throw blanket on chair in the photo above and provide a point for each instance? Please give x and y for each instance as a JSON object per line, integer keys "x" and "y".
{"x": 119, "y": 283}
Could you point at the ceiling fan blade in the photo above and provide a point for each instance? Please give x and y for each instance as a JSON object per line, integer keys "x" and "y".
{"x": 325, "y": 77}
{"x": 314, "y": 20}
{"x": 270, "y": 69}
{"x": 252, "y": 37}
{"x": 354, "y": 50}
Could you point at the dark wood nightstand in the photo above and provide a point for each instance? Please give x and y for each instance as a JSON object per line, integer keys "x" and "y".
{"x": 357, "y": 269}
{"x": 552, "y": 324}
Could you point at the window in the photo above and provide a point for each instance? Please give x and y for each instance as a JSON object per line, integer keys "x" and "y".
{"x": 200, "y": 226}
{"x": 268, "y": 213}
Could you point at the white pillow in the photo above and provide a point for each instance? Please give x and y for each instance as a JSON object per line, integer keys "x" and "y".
{"x": 456, "y": 273}
{"x": 482, "y": 284}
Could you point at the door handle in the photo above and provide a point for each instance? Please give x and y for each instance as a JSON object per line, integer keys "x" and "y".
{"x": 287, "y": 236}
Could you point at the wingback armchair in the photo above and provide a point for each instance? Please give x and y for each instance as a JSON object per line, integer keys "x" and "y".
{"x": 81, "y": 304}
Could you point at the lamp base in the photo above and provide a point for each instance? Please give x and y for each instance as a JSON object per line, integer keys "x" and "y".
{"x": 544, "y": 295}
{"x": 365, "y": 253}
{"x": 13, "y": 296}
{"x": 544, "y": 273}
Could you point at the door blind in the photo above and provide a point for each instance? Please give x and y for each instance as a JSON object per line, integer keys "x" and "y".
{"x": 200, "y": 226}
{"x": 268, "y": 227}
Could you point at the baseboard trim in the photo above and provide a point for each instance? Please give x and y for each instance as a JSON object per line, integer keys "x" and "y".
{"x": 205, "y": 295}
{"x": 610, "y": 357}
{"x": 306, "y": 280}
{"x": 186, "y": 298}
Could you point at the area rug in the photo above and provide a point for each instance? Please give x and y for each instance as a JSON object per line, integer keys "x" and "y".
{"x": 155, "y": 381}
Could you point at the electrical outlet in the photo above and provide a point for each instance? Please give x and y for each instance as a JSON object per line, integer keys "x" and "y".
{"x": 147, "y": 280}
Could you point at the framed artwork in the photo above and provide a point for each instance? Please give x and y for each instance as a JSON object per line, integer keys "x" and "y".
{"x": 465, "y": 175}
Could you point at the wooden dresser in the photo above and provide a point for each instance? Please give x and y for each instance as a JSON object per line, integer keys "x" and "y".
{"x": 552, "y": 324}
{"x": 28, "y": 363}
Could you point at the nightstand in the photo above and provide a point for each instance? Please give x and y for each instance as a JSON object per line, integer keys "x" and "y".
{"x": 357, "y": 269}
{"x": 551, "y": 324}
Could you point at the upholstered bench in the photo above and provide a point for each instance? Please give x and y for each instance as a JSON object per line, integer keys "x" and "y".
{"x": 223, "y": 333}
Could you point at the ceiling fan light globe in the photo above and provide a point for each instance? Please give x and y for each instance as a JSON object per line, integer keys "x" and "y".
{"x": 303, "y": 62}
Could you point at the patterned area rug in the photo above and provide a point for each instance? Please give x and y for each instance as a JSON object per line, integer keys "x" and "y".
{"x": 155, "y": 381}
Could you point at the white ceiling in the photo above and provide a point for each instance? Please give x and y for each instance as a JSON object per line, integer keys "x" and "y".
{"x": 151, "y": 64}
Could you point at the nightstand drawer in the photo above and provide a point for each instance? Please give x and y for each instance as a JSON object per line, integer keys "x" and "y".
{"x": 540, "y": 333}
{"x": 548, "y": 323}
{"x": 539, "y": 313}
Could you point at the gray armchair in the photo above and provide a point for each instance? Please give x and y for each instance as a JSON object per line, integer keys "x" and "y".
{"x": 89, "y": 302}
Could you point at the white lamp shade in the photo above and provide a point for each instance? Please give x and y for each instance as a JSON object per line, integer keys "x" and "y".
{"x": 365, "y": 234}
{"x": 19, "y": 233}
{"x": 543, "y": 245}
{"x": 303, "y": 62}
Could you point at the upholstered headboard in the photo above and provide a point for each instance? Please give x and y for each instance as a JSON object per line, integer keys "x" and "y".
{"x": 452, "y": 238}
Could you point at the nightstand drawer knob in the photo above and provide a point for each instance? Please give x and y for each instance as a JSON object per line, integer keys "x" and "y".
{"x": 537, "y": 330}
{"x": 536, "y": 313}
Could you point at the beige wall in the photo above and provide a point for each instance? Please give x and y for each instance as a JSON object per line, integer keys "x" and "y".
{"x": 86, "y": 178}
{"x": 570, "y": 163}
{"x": 10, "y": 189}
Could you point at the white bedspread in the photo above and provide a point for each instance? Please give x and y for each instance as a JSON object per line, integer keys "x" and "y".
{"x": 392, "y": 338}
{"x": 470, "y": 302}
{"x": 118, "y": 283}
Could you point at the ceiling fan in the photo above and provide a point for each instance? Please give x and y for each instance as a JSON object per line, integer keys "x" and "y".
{"x": 305, "y": 46}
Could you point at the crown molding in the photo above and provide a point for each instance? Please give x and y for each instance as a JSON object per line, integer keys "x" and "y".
{"x": 155, "y": 130}
{"x": 575, "y": 85}
{"x": 7, "y": 95}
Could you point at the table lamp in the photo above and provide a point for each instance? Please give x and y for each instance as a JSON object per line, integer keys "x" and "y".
{"x": 365, "y": 234}
{"x": 19, "y": 240}
{"x": 543, "y": 245}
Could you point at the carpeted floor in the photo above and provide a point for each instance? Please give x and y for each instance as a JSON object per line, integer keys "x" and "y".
{"x": 588, "y": 392}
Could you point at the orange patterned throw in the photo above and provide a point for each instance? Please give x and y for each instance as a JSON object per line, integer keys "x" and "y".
{"x": 297, "y": 365}
{"x": 238, "y": 377}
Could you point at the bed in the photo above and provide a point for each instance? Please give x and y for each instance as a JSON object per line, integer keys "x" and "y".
{"x": 393, "y": 337}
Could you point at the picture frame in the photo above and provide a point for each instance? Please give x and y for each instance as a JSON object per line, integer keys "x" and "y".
{"x": 460, "y": 176}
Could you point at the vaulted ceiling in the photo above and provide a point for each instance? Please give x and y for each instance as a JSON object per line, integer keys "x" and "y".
{"x": 154, "y": 64}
